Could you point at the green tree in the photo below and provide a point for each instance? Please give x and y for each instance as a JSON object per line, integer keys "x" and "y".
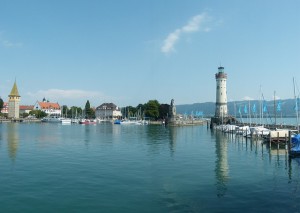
{"x": 64, "y": 111}
{"x": 74, "y": 112}
{"x": 1, "y": 104}
{"x": 163, "y": 111}
{"x": 152, "y": 109}
{"x": 38, "y": 113}
{"x": 89, "y": 112}
{"x": 24, "y": 115}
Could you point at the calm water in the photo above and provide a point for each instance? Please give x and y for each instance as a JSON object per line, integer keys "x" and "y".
{"x": 113, "y": 168}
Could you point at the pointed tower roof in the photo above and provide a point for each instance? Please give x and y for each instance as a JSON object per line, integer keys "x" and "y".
{"x": 14, "y": 92}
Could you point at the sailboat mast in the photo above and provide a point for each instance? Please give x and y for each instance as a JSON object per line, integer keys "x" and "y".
{"x": 275, "y": 114}
{"x": 296, "y": 105}
{"x": 260, "y": 108}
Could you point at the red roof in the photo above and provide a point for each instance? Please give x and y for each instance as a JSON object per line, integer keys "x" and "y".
{"x": 48, "y": 105}
{"x": 26, "y": 107}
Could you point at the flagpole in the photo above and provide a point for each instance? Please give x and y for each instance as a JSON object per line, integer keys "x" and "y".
{"x": 275, "y": 114}
{"x": 249, "y": 114}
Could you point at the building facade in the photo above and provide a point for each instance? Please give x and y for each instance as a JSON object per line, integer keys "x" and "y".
{"x": 4, "y": 110}
{"x": 14, "y": 102}
{"x": 26, "y": 109}
{"x": 108, "y": 111}
{"x": 48, "y": 107}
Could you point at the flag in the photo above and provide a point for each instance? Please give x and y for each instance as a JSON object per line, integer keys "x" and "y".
{"x": 254, "y": 108}
{"x": 245, "y": 109}
{"x": 296, "y": 107}
{"x": 265, "y": 108}
{"x": 279, "y": 106}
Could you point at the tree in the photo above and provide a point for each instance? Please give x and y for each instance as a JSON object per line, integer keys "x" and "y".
{"x": 152, "y": 109}
{"x": 1, "y": 104}
{"x": 38, "y": 113}
{"x": 64, "y": 110}
{"x": 24, "y": 115}
{"x": 89, "y": 112}
{"x": 74, "y": 112}
{"x": 163, "y": 111}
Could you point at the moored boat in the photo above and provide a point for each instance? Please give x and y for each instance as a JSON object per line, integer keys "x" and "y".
{"x": 295, "y": 146}
{"x": 52, "y": 119}
{"x": 66, "y": 120}
{"x": 87, "y": 121}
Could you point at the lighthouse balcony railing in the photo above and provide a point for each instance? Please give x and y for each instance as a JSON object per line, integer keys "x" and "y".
{"x": 221, "y": 75}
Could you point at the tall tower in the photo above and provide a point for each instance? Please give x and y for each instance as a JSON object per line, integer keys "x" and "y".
{"x": 221, "y": 95}
{"x": 14, "y": 103}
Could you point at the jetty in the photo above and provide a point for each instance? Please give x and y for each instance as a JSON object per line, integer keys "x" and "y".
{"x": 19, "y": 120}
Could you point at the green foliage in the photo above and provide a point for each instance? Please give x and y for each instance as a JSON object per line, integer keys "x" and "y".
{"x": 152, "y": 109}
{"x": 89, "y": 112}
{"x": 74, "y": 112}
{"x": 24, "y": 115}
{"x": 1, "y": 104}
{"x": 164, "y": 110}
{"x": 64, "y": 111}
{"x": 38, "y": 113}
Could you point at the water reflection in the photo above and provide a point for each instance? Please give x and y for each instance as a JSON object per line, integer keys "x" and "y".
{"x": 172, "y": 137}
{"x": 12, "y": 140}
{"x": 222, "y": 166}
{"x": 156, "y": 136}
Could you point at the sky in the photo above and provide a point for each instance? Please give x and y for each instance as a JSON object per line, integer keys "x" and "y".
{"x": 131, "y": 51}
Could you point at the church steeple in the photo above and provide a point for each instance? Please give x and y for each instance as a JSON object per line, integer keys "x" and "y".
{"x": 14, "y": 91}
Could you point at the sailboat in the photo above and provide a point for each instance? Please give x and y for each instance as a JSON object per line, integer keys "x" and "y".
{"x": 295, "y": 143}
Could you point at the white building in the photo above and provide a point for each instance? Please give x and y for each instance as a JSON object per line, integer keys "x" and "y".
{"x": 48, "y": 107}
{"x": 108, "y": 111}
{"x": 221, "y": 96}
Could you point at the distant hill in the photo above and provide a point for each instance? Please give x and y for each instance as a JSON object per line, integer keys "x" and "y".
{"x": 285, "y": 107}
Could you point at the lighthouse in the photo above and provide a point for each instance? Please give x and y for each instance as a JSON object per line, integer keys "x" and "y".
{"x": 221, "y": 94}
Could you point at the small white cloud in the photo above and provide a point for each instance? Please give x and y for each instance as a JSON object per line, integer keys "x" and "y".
{"x": 6, "y": 43}
{"x": 247, "y": 98}
{"x": 59, "y": 95}
{"x": 195, "y": 24}
{"x": 170, "y": 41}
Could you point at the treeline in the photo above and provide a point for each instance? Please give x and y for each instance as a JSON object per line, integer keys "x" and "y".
{"x": 152, "y": 110}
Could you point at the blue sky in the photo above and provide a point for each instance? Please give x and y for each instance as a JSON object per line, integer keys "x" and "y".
{"x": 132, "y": 51}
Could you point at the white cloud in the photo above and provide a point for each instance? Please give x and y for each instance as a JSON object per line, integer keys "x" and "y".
{"x": 65, "y": 96}
{"x": 247, "y": 98}
{"x": 7, "y": 43}
{"x": 170, "y": 41}
{"x": 195, "y": 24}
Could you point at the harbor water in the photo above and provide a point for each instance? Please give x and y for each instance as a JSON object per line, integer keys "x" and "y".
{"x": 113, "y": 168}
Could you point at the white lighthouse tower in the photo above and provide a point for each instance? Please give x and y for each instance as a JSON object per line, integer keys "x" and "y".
{"x": 221, "y": 95}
